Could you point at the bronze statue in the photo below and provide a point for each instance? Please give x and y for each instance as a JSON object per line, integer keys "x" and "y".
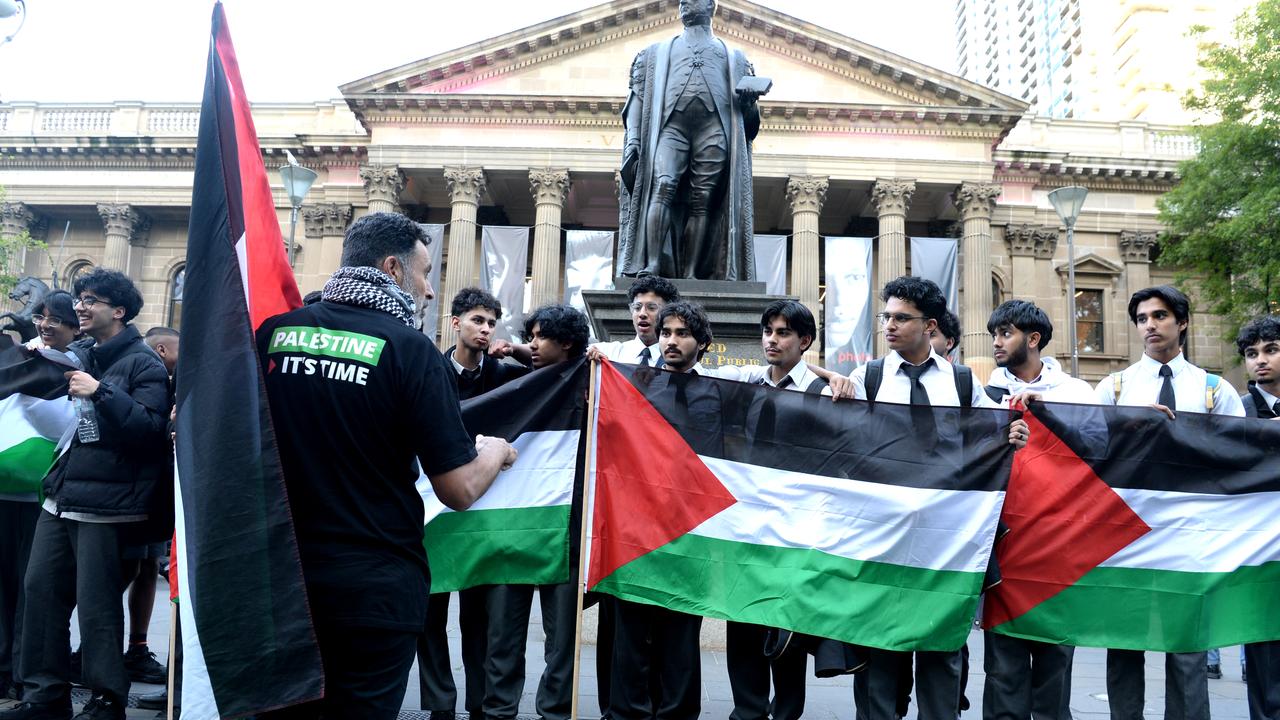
{"x": 30, "y": 292}
{"x": 689, "y": 119}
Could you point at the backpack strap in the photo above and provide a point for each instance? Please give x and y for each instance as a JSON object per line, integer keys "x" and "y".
{"x": 816, "y": 386}
{"x": 871, "y": 381}
{"x": 1211, "y": 384}
{"x": 1117, "y": 383}
{"x": 996, "y": 394}
{"x": 964, "y": 384}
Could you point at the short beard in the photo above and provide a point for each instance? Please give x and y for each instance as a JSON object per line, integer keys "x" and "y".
{"x": 1015, "y": 358}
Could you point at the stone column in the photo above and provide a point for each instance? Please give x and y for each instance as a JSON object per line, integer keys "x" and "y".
{"x": 550, "y": 188}
{"x": 1135, "y": 250}
{"x": 892, "y": 197}
{"x": 124, "y": 226}
{"x": 466, "y": 187}
{"x": 975, "y": 202}
{"x": 382, "y": 186}
{"x": 806, "y": 193}
{"x": 324, "y": 224}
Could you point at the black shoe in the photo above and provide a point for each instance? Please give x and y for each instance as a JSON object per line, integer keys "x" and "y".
{"x": 75, "y": 670}
{"x": 442, "y": 715}
{"x": 101, "y": 707}
{"x": 142, "y": 666}
{"x": 60, "y": 710}
{"x": 155, "y": 701}
{"x": 1215, "y": 672}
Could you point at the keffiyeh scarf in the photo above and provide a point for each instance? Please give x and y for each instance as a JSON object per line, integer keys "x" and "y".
{"x": 369, "y": 287}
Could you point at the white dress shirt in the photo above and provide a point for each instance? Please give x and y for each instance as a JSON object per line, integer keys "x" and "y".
{"x": 1141, "y": 382}
{"x": 939, "y": 381}
{"x": 628, "y": 351}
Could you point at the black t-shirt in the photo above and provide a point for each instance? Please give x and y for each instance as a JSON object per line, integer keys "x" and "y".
{"x": 358, "y": 398}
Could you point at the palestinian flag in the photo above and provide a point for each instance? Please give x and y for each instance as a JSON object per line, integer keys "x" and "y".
{"x": 246, "y": 624}
{"x": 779, "y": 508}
{"x": 519, "y": 531}
{"x": 1129, "y": 530}
{"x": 34, "y": 415}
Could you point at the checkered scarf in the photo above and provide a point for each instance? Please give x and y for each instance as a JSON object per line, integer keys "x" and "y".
{"x": 369, "y": 287}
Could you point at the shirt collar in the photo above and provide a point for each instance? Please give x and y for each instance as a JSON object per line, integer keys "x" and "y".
{"x": 893, "y": 361}
{"x": 1271, "y": 399}
{"x": 797, "y": 375}
{"x": 1152, "y": 366}
{"x": 459, "y": 367}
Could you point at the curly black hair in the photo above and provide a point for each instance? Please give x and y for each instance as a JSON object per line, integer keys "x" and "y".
{"x": 562, "y": 323}
{"x": 924, "y": 294}
{"x": 949, "y": 326}
{"x": 469, "y": 298}
{"x": 1265, "y": 328}
{"x": 375, "y": 236}
{"x": 113, "y": 286}
{"x": 1026, "y": 316}
{"x": 694, "y": 317}
{"x": 1172, "y": 297}
{"x": 59, "y": 304}
{"x": 661, "y": 287}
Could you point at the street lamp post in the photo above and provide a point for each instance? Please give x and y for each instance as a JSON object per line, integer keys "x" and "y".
{"x": 297, "y": 181}
{"x": 9, "y": 8}
{"x": 1067, "y": 201}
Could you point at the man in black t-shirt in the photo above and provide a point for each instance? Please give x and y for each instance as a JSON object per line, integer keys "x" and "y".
{"x": 359, "y": 397}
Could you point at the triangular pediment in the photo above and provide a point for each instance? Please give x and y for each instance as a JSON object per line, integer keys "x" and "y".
{"x": 1093, "y": 264}
{"x": 588, "y": 54}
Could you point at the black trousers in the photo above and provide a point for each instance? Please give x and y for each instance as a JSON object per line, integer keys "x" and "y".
{"x": 435, "y": 669}
{"x": 73, "y": 565}
{"x": 1262, "y": 671}
{"x": 657, "y": 669}
{"x": 1026, "y": 679}
{"x": 1186, "y": 685}
{"x": 750, "y": 672}
{"x": 504, "y": 664}
{"x": 366, "y": 671}
{"x": 17, "y": 529}
{"x": 937, "y": 685}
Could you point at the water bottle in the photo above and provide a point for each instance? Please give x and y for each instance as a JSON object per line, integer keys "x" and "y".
{"x": 86, "y": 421}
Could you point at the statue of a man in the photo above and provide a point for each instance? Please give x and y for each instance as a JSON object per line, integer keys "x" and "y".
{"x": 686, "y": 207}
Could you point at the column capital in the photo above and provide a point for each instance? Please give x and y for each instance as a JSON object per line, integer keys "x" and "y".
{"x": 892, "y": 196}
{"x": 1046, "y": 238}
{"x": 326, "y": 219}
{"x": 1021, "y": 239}
{"x": 806, "y": 193}
{"x": 125, "y": 221}
{"x": 382, "y": 182}
{"x": 1135, "y": 247}
{"x": 976, "y": 199}
{"x": 549, "y": 186}
{"x": 18, "y": 217}
{"x": 466, "y": 184}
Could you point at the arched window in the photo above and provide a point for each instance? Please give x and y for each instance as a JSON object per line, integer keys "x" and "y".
{"x": 175, "y": 296}
{"x": 74, "y": 271}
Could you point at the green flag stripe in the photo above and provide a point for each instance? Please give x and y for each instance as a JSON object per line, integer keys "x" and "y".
{"x": 24, "y": 465}
{"x": 509, "y": 546}
{"x": 805, "y": 590}
{"x": 1161, "y": 610}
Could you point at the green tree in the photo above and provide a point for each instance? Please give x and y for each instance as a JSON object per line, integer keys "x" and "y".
{"x": 11, "y": 254}
{"x": 1223, "y": 218}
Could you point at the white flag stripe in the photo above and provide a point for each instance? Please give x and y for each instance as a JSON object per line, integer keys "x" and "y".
{"x": 541, "y": 477}
{"x": 1196, "y": 532}
{"x": 26, "y": 417}
{"x": 858, "y": 520}
{"x": 198, "y": 702}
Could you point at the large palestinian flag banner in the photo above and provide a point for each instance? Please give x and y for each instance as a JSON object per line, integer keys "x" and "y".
{"x": 246, "y": 625}
{"x": 1130, "y": 530}
{"x": 34, "y": 415}
{"x": 867, "y": 523}
{"x": 519, "y": 531}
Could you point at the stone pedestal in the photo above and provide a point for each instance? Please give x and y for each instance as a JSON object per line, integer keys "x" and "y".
{"x": 734, "y": 309}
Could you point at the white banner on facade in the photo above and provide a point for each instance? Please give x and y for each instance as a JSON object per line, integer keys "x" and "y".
{"x": 771, "y": 263}
{"x": 506, "y": 257}
{"x": 935, "y": 259}
{"x": 850, "y": 328}
{"x": 588, "y": 264}
{"x": 435, "y": 248}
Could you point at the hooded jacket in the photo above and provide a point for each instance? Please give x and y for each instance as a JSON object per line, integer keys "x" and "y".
{"x": 118, "y": 474}
{"x": 1054, "y": 385}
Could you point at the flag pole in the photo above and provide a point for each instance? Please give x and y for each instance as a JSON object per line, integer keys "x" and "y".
{"x": 593, "y": 377}
{"x": 173, "y": 648}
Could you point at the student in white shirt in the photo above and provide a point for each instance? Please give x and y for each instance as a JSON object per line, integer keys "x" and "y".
{"x": 1164, "y": 380}
{"x": 647, "y": 296}
{"x": 913, "y": 373}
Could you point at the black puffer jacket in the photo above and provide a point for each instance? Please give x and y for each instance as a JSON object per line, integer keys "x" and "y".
{"x": 118, "y": 474}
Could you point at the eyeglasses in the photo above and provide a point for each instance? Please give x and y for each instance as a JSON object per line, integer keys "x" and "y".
{"x": 898, "y": 318}
{"x": 88, "y": 301}
{"x": 40, "y": 320}
{"x": 651, "y": 307}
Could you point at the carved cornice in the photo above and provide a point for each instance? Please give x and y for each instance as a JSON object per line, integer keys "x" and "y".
{"x": 125, "y": 221}
{"x": 549, "y": 186}
{"x": 892, "y": 196}
{"x": 465, "y": 184}
{"x": 1046, "y": 242}
{"x": 1135, "y": 247}
{"x": 976, "y": 200}
{"x": 326, "y": 220}
{"x": 382, "y": 182}
{"x": 806, "y": 193}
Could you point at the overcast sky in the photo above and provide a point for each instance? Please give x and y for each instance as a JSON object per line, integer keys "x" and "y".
{"x": 301, "y": 50}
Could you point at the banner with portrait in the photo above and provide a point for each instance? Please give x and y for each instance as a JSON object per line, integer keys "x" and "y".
{"x": 850, "y": 326}
{"x": 505, "y": 254}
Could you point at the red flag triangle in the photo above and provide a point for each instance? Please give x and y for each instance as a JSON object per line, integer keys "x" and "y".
{"x": 1063, "y": 521}
{"x": 651, "y": 487}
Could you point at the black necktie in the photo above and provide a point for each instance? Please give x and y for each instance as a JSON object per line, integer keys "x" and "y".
{"x": 785, "y": 383}
{"x": 1167, "y": 398}
{"x": 919, "y": 396}
{"x": 926, "y": 425}
{"x": 645, "y": 355}
{"x": 1276, "y": 408}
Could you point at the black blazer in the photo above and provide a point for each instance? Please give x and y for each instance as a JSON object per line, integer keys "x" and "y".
{"x": 1254, "y": 404}
{"x": 493, "y": 374}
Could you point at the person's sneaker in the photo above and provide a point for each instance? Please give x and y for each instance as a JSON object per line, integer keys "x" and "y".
{"x": 142, "y": 666}
{"x": 1215, "y": 672}
{"x": 75, "y": 670}
{"x": 154, "y": 701}
{"x": 100, "y": 707}
{"x": 60, "y": 710}
{"x": 442, "y": 715}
